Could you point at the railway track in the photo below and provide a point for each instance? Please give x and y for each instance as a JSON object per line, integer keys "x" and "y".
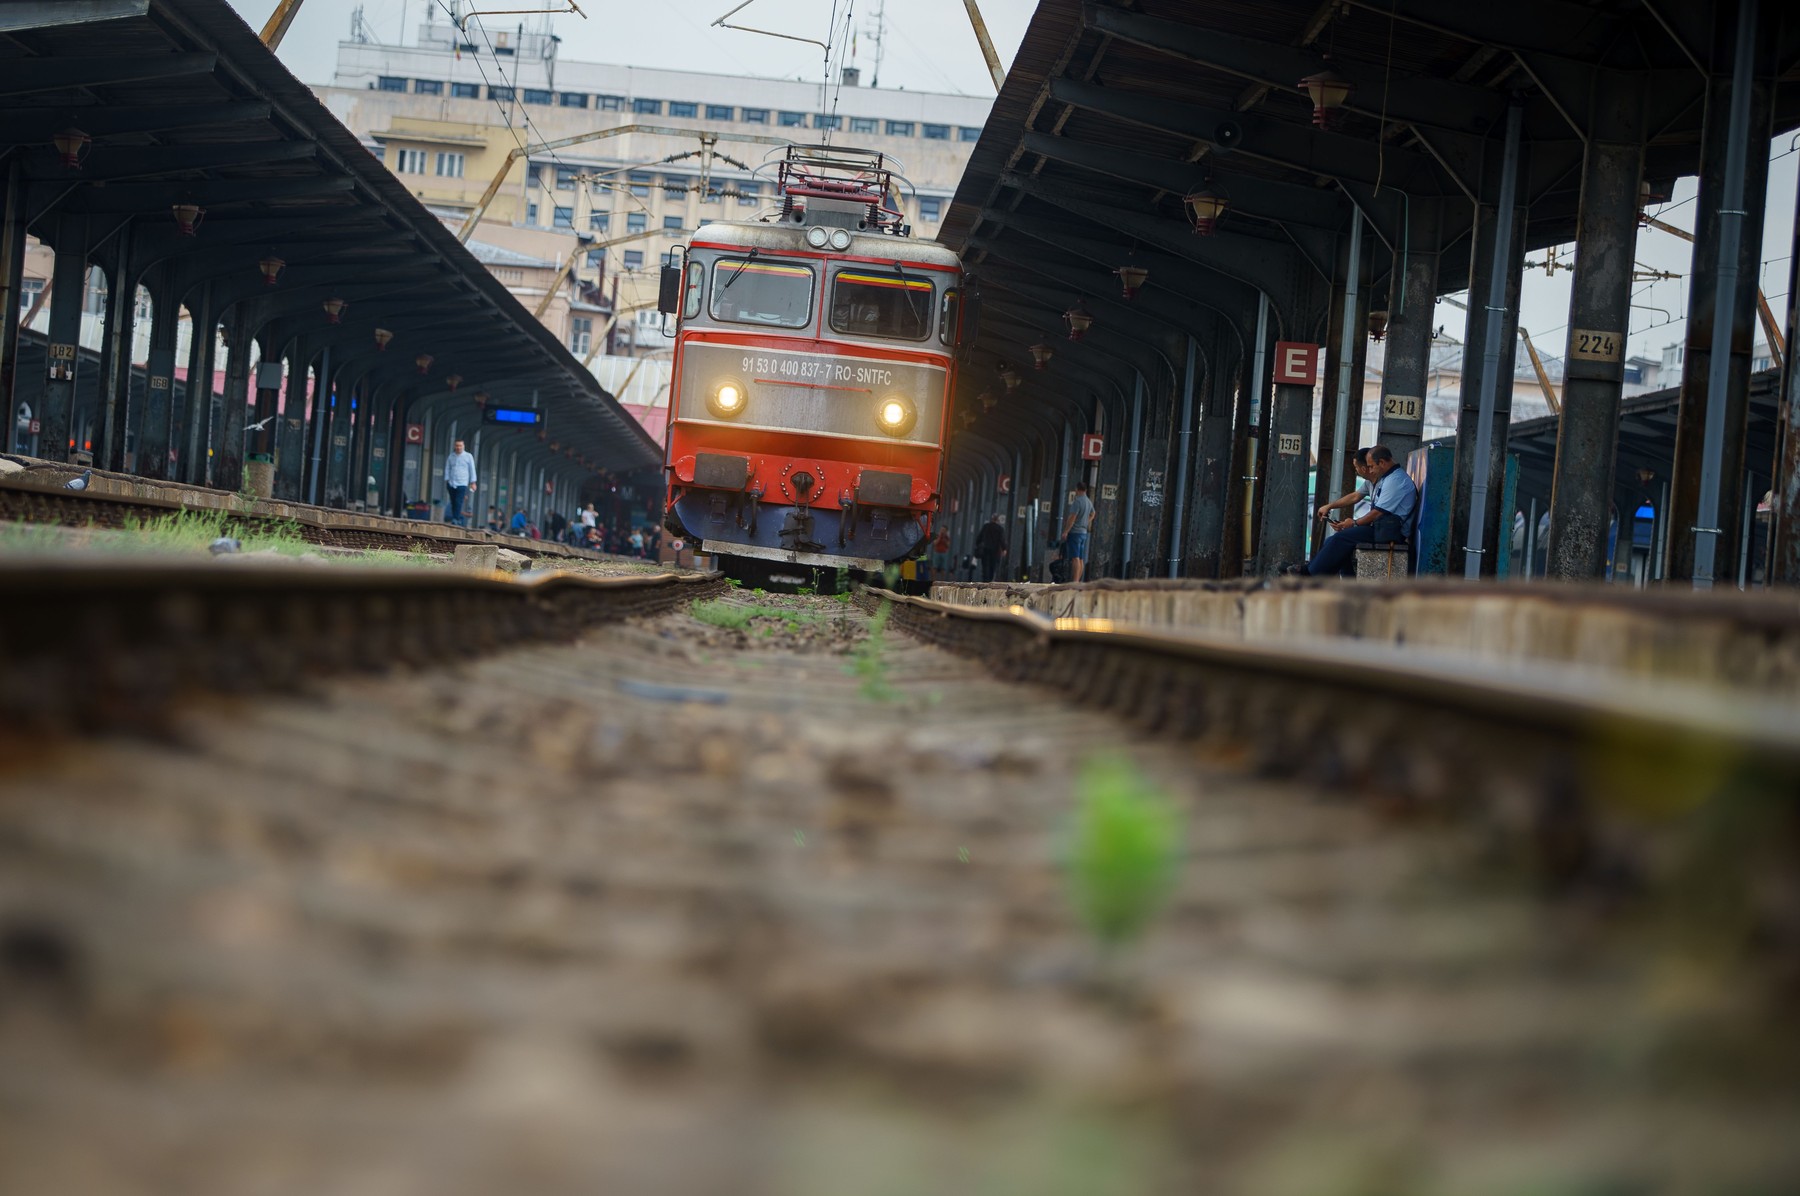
{"x": 693, "y": 903}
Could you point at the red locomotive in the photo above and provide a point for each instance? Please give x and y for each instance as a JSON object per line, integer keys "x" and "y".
{"x": 814, "y": 361}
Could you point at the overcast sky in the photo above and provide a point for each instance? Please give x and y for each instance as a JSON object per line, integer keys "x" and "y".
{"x": 929, "y": 46}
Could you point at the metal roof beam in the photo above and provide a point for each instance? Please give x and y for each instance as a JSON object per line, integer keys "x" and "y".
{"x": 1553, "y": 26}
{"x": 27, "y": 125}
{"x": 1433, "y": 103}
{"x": 1277, "y": 201}
{"x": 144, "y": 197}
{"x": 55, "y": 73}
{"x": 136, "y": 162}
{"x": 1281, "y": 143}
{"x": 18, "y": 16}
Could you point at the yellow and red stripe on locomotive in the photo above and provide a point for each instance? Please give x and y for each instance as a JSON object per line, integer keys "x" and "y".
{"x": 810, "y": 400}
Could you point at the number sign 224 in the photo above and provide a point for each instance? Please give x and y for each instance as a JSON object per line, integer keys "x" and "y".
{"x": 1588, "y": 345}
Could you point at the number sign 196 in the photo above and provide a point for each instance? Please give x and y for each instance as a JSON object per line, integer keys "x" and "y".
{"x": 1289, "y": 445}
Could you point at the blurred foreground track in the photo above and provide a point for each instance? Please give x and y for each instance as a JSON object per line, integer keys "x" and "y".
{"x": 685, "y": 907}
{"x": 108, "y": 645}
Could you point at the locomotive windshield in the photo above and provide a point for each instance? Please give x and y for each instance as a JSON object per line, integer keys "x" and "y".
{"x": 751, "y": 290}
{"x": 881, "y": 303}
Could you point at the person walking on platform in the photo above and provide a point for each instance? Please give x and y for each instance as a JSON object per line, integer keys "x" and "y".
{"x": 990, "y": 546}
{"x": 459, "y": 480}
{"x": 1075, "y": 531}
{"x": 1389, "y": 518}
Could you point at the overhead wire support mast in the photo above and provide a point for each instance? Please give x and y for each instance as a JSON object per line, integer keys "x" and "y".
{"x": 995, "y": 70}
{"x": 513, "y": 155}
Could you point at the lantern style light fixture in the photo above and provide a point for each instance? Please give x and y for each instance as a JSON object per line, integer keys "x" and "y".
{"x": 1204, "y": 207}
{"x": 453, "y": 380}
{"x": 382, "y": 337}
{"x": 968, "y": 419}
{"x": 1131, "y": 278}
{"x": 481, "y": 398}
{"x": 1079, "y": 320}
{"x": 271, "y": 268}
{"x": 73, "y": 145}
{"x": 1040, "y": 355}
{"x": 1328, "y": 90}
{"x": 188, "y": 217}
{"x": 423, "y": 361}
{"x": 1378, "y": 322}
{"x": 334, "y": 310}
{"x": 1010, "y": 377}
{"x": 987, "y": 400}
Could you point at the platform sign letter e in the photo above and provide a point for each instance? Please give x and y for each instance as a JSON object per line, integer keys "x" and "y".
{"x": 1296, "y": 364}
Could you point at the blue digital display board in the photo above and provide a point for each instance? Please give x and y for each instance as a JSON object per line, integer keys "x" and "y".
{"x": 514, "y": 415}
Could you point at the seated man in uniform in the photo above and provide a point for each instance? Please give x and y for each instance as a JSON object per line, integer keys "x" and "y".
{"x": 1388, "y": 519}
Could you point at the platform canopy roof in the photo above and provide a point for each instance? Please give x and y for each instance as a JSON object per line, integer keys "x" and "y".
{"x": 184, "y": 105}
{"x": 1113, "y": 112}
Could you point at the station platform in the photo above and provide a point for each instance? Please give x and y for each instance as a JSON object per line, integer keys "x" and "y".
{"x": 36, "y": 491}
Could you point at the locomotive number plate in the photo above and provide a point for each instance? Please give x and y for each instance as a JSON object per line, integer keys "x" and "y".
{"x": 822, "y": 371}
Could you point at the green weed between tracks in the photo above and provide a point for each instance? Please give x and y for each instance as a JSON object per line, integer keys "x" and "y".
{"x": 868, "y": 661}
{"x": 1125, "y": 849}
{"x": 735, "y": 616}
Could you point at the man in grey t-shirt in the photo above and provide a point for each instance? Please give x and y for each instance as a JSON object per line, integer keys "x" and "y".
{"x": 1075, "y": 531}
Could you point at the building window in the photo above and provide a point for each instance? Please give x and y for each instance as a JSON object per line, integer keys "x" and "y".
{"x": 640, "y": 183}
{"x": 719, "y": 111}
{"x": 428, "y": 87}
{"x": 793, "y": 120}
{"x": 449, "y": 165}
{"x": 756, "y": 116}
{"x": 675, "y": 188}
{"x": 29, "y": 291}
{"x": 931, "y": 208}
{"x": 465, "y": 91}
{"x": 712, "y": 194}
{"x": 822, "y": 120}
{"x": 749, "y": 195}
{"x": 572, "y": 99}
{"x": 566, "y": 178}
{"x": 937, "y": 132}
{"x": 968, "y": 133}
{"x": 672, "y": 224}
{"x": 900, "y": 128}
{"x": 610, "y": 103}
{"x": 596, "y": 259}
{"x": 562, "y": 217}
{"x": 409, "y": 161}
{"x": 581, "y": 334}
{"x": 636, "y": 222}
{"x": 380, "y": 152}
{"x": 681, "y": 108}
{"x": 862, "y": 124}
{"x": 537, "y": 95}
{"x": 390, "y": 83}
{"x": 634, "y": 259}
{"x": 600, "y": 221}
{"x": 503, "y": 94}
{"x": 531, "y": 213}
{"x": 648, "y": 107}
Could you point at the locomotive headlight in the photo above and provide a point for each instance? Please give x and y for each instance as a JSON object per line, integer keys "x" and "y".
{"x": 896, "y": 415}
{"x": 840, "y": 240}
{"x": 727, "y": 398}
{"x": 817, "y": 237}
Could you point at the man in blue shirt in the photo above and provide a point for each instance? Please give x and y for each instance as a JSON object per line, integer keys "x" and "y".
{"x": 1075, "y": 531}
{"x": 1388, "y": 519}
{"x": 459, "y": 480}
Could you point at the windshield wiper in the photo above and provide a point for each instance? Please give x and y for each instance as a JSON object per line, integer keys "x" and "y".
{"x": 726, "y": 286}
{"x": 906, "y": 289}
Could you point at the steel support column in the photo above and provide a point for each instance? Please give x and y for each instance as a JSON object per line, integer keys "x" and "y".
{"x": 12, "y": 281}
{"x": 68, "y": 280}
{"x": 1412, "y": 297}
{"x": 1344, "y": 332}
{"x": 1128, "y": 489}
{"x": 290, "y": 443}
{"x": 228, "y": 459}
{"x": 1784, "y": 510}
{"x": 1247, "y": 455}
{"x": 196, "y": 427}
{"x": 1587, "y": 439}
{"x": 1212, "y": 458}
{"x": 115, "y": 413}
{"x": 1184, "y": 450}
{"x": 151, "y": 459}
{"x": 1481, "y": 432}
{"x": 1721, "y": 327}
{"x": 320, "y": 416}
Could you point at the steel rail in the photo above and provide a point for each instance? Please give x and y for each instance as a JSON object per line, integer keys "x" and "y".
{"x": 1580, "y": 776}
{"x": 88, "y": 645}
